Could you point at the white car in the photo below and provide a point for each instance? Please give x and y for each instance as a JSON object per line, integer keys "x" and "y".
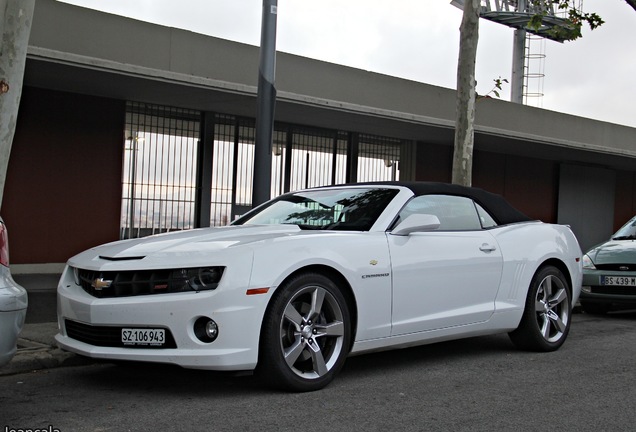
{"x": 297, "y": 284}
{"x": 13, "y": 303}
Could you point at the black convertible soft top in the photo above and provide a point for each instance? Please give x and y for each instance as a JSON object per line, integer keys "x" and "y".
{"x": 501, "y": 211}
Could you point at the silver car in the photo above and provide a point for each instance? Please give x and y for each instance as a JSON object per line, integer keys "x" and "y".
{"x": 13, "y": 303}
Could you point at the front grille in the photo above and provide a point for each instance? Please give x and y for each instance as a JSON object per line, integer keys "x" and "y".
{"x": 614, "y": 290}
{"x": 132, "y": 283}
{"x": 616, "y": 267}
{"x": 106, "y": 336}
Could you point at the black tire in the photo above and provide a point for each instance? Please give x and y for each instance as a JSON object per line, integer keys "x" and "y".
{"x": 306, "y": 334}
{"x": 595, "y": 308}
{"x": 545, "y": 323}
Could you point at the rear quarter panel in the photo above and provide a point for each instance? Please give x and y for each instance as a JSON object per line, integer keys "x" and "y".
{"x": 526, "y": 247}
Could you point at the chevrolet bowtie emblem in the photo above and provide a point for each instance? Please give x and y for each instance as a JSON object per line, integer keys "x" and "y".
{"x": 99, "y": 284}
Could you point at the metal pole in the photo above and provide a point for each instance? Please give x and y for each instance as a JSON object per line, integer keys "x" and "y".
{"x": 518, "y": 64}
{"x": 518, "y": 61}
{"x": 266, "y": 100}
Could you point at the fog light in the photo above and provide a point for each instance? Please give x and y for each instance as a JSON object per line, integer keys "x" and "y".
{"x": 206, "y": 329}
{"x": 586, "y": 289}
{"x": 211, "y": 330}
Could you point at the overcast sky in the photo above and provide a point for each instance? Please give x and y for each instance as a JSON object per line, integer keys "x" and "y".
{"x": 418, "y": 40}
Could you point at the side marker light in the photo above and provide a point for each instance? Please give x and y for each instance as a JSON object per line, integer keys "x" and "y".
{"x": 256, "y": 291}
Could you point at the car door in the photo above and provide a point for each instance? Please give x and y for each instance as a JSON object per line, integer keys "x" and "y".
{"x": 446, "y": 277}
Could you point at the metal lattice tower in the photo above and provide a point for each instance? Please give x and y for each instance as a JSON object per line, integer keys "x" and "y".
{"x": 517, "y": 14}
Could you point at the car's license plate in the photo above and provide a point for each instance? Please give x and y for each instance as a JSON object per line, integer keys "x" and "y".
{"x": 143, "y": 337}
{"x": 619, "y": 280}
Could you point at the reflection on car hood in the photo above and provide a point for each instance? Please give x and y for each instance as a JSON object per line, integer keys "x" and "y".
{"x": 184, "y": 243}
{"x": 614, "y": 252}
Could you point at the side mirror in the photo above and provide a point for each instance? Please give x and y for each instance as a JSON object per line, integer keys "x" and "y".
{"x": 416, "y": 223}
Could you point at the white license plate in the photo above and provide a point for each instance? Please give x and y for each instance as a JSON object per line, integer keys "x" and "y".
{"x": 619, "y": 280}
{"x": 143, "y": 336}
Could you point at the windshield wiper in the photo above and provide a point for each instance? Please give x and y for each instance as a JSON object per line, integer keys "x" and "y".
{"x": 628, "y": 237}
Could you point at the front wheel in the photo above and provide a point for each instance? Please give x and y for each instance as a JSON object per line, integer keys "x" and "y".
{"x": 306, "y": 334}
{"x": 545, "y": 322}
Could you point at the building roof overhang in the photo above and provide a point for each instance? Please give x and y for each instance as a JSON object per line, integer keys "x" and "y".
{"x": 179, "y": 68}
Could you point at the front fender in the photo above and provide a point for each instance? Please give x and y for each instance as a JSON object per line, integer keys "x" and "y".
{"x": 361, "y": 258}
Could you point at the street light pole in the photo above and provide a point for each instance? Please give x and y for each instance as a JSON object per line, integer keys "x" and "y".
{"x": 266, "y": 100}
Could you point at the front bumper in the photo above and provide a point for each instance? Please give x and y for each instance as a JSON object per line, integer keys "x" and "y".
{"x": 594, "y": 292}
{"x": 237, "y": 315}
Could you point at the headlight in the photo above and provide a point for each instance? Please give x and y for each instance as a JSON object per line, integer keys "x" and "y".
{"x": 76, "y": 276}
{"x": 197, "y": 279}
{"x": 587, "y": 263}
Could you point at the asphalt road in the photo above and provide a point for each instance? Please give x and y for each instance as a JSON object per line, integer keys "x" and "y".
{"x": 478, "y": 384}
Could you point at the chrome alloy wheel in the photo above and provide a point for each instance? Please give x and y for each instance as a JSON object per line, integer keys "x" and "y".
{"x": 552, "y": 306}
{"x": 312, "y": 332}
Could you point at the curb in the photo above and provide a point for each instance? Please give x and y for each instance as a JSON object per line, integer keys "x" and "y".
{"x": 38, "y": 358}
{"x": 37, "y": 350}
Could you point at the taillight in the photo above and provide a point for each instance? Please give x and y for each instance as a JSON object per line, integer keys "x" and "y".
{"x": 4, "y": 246}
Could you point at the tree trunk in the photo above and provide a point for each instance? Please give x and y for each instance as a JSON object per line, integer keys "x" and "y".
{"x": 466, "y": 96}
{"x": 15, "y": 27}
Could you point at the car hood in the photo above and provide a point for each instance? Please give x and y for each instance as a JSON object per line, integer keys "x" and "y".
{"x": 614, "y": 252}
{"x": 188, "y": 245}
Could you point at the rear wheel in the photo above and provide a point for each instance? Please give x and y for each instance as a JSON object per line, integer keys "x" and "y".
{"x": 545, "y": 322}
{"x": 306, "y": 334}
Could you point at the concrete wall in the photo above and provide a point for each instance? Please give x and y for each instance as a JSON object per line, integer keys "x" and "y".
{"x": 586, "y": 202}
{"x": 63, "y": 190}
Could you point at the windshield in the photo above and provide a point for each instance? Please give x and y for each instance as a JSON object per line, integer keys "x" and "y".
{"x": 627, "y": 232}
{"x": 327, "y": 209}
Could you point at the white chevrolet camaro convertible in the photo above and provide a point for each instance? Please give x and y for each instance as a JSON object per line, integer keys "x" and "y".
{"x": 299, "y": 283}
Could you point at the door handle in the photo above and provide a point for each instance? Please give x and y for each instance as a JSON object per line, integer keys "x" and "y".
{"x": 487, "y": 248}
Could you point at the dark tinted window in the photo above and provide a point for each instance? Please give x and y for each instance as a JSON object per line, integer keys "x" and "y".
{"x": 354, "y": 209}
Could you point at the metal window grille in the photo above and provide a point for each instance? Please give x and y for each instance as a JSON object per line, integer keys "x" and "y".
{"x": 318, "y": 158}
{"x": 232, "y": 168}
{"x": 159, "y": 169}
{"x": 378, "y": 158}
{"x": 279, "y": 156}
{"x": 245, "y": 164}
{"x": 159, "y": 182}
{"x": 222, "y": 171}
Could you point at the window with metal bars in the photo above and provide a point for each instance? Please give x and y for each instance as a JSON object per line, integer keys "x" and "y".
{"x": 159, "y": 184}
{"x": 319, "y": 158}
{"x": 378, "y": 158}
{"x": 232, "y": 168}
{"x": 301, "y": 158}
{"x": 159, "y": 169}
